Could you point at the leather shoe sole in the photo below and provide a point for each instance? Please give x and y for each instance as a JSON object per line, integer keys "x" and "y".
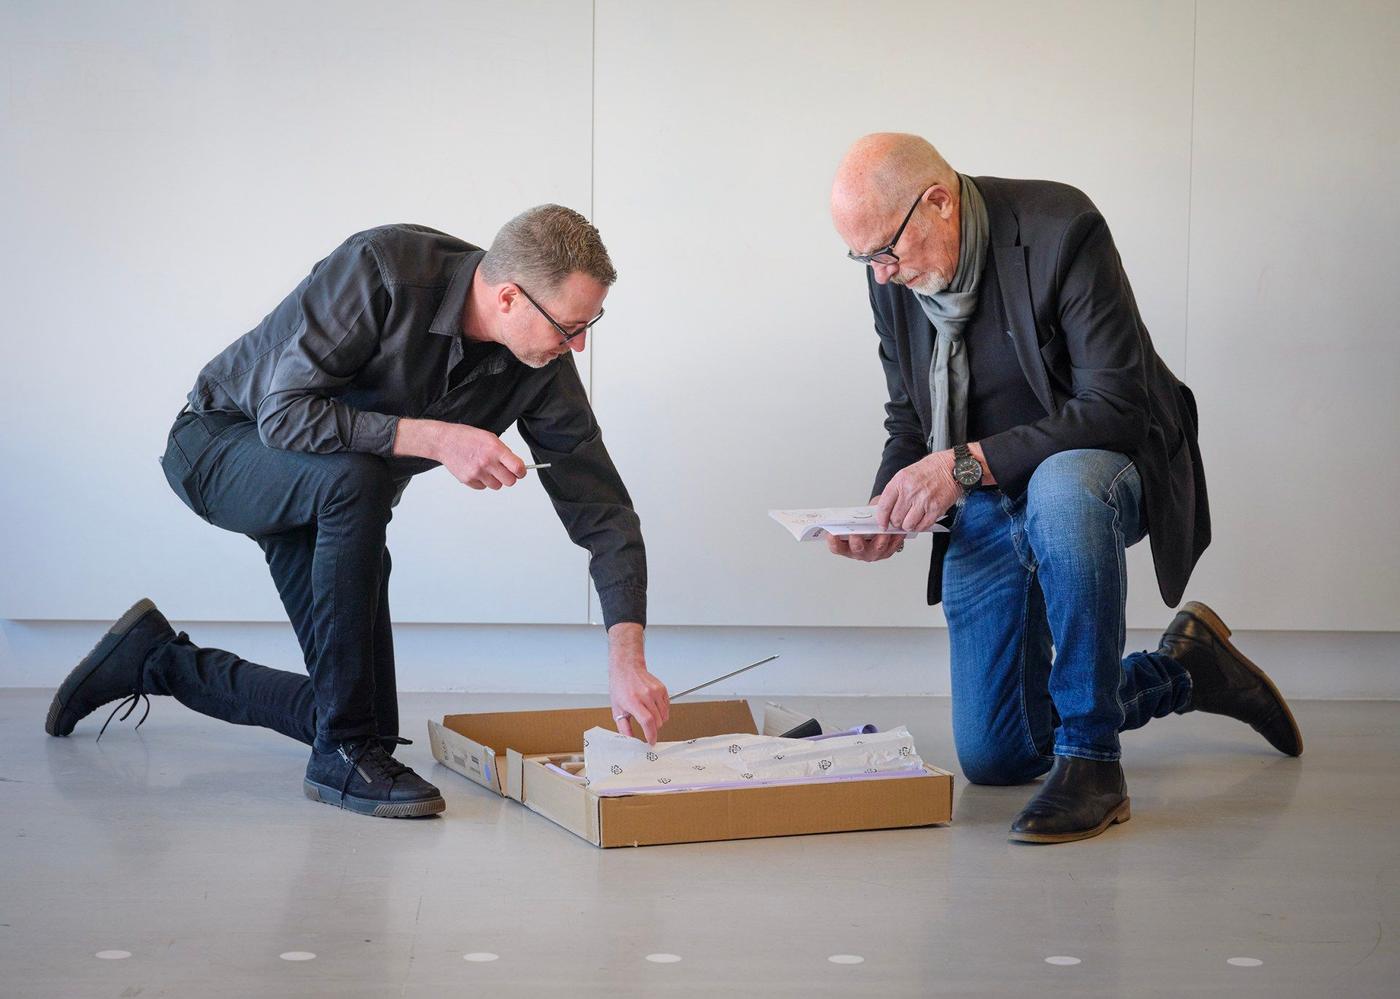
{"x": 1120, "y": 814}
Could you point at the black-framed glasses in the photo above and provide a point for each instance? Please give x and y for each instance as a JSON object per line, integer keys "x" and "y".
{"x": 886, "y": 254}
{"x": 562, "y": 331}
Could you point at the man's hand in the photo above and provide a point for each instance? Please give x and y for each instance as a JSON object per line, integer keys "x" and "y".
{"x": 865, "y": 547}
{"x": 475, "y": 457}
{"x": 919, "y": 494}
{"x": 635, "y": 693}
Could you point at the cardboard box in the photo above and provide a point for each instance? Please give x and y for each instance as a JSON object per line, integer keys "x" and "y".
{"x": 509, "y": 752}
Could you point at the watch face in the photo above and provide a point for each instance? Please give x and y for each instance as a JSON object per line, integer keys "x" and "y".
{"x": 968, "y": 471}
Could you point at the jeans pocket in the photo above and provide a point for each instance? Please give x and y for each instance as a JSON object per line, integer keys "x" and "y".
{"x": 186, "y": 438}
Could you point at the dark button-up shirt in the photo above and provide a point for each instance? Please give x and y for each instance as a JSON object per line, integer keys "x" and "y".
{"x": 374, "y": 333}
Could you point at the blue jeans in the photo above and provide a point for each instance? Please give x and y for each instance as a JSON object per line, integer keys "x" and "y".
{"x": 1035, "y": 591}
{"x": 320, "y": 520}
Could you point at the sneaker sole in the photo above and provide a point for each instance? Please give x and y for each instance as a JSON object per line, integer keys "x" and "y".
{"x": 1120, "y": 814}
{"x": 1221, "y": 633}
{"x": 379, "y": 809}
{"x": 92, "y": 661}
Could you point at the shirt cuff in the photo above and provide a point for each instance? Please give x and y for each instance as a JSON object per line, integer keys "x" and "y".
{"x": 1009, "y": 478}
{"x": 623, "y": 603}
{"x": 374, "y": 433}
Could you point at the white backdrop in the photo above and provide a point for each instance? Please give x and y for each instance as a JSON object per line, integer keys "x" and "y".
{"x": 171, "y": 170}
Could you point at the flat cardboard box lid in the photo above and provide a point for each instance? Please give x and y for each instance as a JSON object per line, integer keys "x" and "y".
{"x": 538, "y": 733}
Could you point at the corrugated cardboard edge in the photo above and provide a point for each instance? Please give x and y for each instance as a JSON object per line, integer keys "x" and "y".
{"x": 565, "y": 802}
{"x": 791, "y": 810}
{"x": 515, "y": 778}
{"x": 472, "y": 760}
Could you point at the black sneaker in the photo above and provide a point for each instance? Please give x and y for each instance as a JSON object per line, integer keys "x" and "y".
{"x": 364, "y": 778}
{"x": 112, "y": 670}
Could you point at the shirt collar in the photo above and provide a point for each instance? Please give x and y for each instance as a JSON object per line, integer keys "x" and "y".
{"x": 453, "y": 309}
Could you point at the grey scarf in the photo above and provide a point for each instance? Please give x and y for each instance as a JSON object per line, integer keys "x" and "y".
{"x": 950, "y": 311}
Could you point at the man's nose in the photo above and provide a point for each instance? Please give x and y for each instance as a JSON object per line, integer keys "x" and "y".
{"x": 883, "y": 272}
{"x": 577, "y": 344}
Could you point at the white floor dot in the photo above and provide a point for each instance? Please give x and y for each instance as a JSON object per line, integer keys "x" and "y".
{"x": 663, "y": 958}
{"x": 1245, "y": 962}
{"x": 1061, "y": 959}
{"x": 846, "y": 959}
{"x": 480, "y": 956}
{"x": 298, "y": 955}
{"x": 113, "y": 955}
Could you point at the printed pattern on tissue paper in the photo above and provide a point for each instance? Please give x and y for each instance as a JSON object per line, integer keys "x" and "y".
{"x": 617, "y": 764}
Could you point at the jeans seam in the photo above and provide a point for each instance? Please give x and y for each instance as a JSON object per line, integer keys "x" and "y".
{"x": 1166, "y": 685}
{"x": 1021, "y": 666}
{"x": 1016, "y": 537}
{"x": 1087, "y": 754}
{"x": 1122, "y": 605}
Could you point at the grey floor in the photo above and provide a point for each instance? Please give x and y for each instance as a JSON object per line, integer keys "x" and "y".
{"x": 189, "y": 846}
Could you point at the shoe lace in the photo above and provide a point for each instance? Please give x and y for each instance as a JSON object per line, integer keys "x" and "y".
{"x": 371, "y": 757}
{"x": 130, "y": 704}
{"x": 131, "y": 700}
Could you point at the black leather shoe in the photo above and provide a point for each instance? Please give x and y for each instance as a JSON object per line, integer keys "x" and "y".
{"x": 112, "y": 670}
{"x": 1224, "y": 682}
{"x": 362, "y": 777}
{"x": 1079, "y": 799}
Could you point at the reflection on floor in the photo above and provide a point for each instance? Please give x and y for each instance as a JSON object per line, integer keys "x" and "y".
{"x": 184, "y": 860}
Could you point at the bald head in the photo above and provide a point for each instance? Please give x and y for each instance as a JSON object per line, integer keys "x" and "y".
{"x": 881, "y": 173}
{"x": 878, "y": 180}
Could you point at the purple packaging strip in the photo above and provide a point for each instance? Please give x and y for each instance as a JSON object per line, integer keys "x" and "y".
{"x": 854, "y": 730}
{"x": 614, "y": 792}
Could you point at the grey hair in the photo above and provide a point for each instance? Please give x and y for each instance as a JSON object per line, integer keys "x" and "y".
{"x": 543, "y": 245}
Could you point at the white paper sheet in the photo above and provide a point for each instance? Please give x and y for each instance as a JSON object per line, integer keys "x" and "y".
{"x": 614, "y": 763}
{"x": 817, "y": 522}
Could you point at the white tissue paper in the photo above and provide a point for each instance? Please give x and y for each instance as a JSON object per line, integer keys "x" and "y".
{"x": 616, "y": 764}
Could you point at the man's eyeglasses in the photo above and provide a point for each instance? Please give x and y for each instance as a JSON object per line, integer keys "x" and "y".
{"x": 580, "y": 331}
{"x": 886, "y": 254}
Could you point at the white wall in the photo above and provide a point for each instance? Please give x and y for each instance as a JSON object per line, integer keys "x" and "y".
{"x": 172, "y": 169}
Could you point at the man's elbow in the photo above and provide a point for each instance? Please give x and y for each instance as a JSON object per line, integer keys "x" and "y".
{"x": 274, "y": 428}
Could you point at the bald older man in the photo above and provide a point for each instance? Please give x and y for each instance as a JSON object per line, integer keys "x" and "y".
{"x": 1029, "y": 412}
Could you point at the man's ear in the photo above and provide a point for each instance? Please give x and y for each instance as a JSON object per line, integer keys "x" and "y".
{"x": 941, "y": 198}
{"x": 506, "y": 297}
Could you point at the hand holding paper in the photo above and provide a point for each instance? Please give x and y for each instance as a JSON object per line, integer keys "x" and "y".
{"x": 919, "y": 494}
{"x": 841, "y": 521}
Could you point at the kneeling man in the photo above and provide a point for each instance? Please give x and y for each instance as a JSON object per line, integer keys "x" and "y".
{"x": 1028, "y": 406}
{"x": 404, "y": 349}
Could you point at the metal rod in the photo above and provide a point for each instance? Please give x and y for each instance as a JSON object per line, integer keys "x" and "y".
{"x": 707, "y": 683}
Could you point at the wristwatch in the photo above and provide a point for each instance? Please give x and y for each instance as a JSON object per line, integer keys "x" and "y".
{"x": 967, "y": 470}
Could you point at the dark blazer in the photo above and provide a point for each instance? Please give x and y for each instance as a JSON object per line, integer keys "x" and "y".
{"x": 1087, "y": 356}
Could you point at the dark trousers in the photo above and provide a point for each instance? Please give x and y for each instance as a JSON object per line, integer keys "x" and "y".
{"x": 320, "y": 520}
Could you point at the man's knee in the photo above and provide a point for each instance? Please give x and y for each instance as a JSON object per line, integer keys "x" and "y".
{"x": 1074, "y": 488}
{"x": 987, "y": 762}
